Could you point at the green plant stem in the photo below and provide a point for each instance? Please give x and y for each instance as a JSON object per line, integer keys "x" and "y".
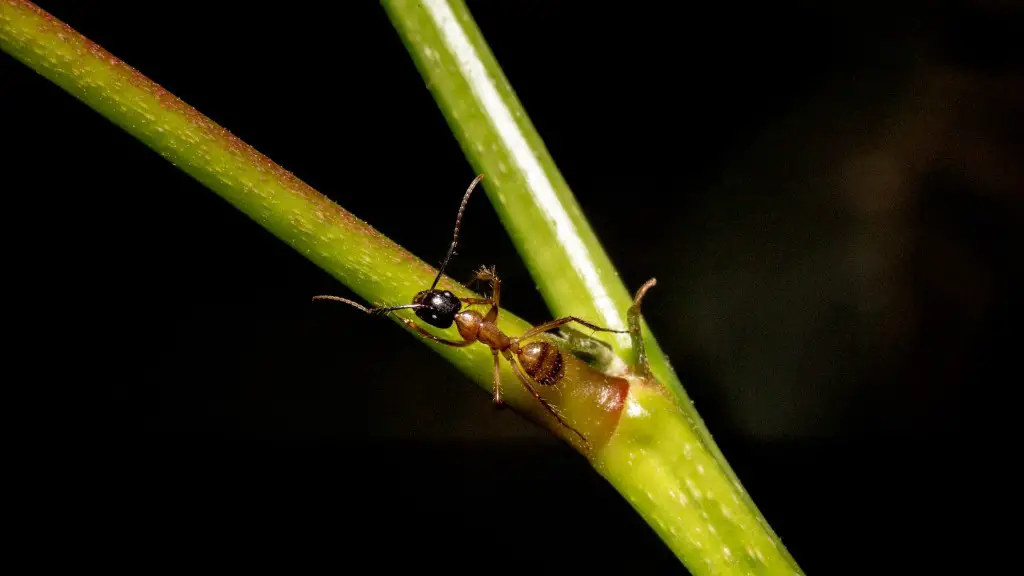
{"x": 653, "y": 454}
{"x": 658, "y": 464}
{"x": 533, "y": 200}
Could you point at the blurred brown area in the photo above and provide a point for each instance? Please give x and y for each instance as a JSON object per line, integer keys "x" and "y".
{"x": 870, "y": 241}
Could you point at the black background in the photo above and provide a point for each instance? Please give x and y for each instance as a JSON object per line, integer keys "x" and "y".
{"x": 829, "y": 199}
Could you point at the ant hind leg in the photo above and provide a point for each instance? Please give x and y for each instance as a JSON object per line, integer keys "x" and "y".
{"x": 556, "y": 323}
{"x": 640, "y": 363}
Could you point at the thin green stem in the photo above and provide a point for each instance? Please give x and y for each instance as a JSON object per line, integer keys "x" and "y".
{"x": 533, "y": 200}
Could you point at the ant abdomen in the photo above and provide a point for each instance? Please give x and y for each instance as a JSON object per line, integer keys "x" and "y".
{"x": 542, "y": 362}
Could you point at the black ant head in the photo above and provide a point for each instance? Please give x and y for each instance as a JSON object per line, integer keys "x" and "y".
{"x": 437, "y": 307}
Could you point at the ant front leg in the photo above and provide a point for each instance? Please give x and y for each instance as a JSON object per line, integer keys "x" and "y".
{"x": 491, "y": 275}
{"x": 556, "y": 323}
{"x": 430, "y": 336}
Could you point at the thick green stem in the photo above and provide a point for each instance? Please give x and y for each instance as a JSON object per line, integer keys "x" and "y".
{"x": 656, "y": 452}
{"x": 659, "y": 465}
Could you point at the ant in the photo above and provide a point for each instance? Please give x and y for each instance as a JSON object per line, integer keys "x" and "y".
{"x": 538, "y": 361}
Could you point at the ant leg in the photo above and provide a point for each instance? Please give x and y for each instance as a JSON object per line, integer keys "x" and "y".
{"x": 472, "y": 301}
{"x": 491, "y": 275}
{"x": 497, "y": 378}
{"x": 430, "y": 336}
{"x": 640, "y": 364}
{"x": 556, "y": 323}
{"x": 547, "y": 405}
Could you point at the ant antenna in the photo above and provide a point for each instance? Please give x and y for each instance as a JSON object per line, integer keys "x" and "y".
{"x": 458, "y": 222}
{"x": 383, "y": 311}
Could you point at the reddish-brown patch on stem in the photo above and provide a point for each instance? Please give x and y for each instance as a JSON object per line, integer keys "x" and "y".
{"x": 596, "y": 401}
{"x": 613, "y": 399}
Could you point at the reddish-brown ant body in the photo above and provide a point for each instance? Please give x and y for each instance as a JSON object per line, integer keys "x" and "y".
{"x": 538, "y": 361}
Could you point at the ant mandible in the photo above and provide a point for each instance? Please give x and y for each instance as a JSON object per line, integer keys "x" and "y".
{"x": 538, "y": 361}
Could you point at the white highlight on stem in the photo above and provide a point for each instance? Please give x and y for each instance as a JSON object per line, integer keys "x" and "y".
{"x": 634, "y": 409}
{"x": 540, "y": 186}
